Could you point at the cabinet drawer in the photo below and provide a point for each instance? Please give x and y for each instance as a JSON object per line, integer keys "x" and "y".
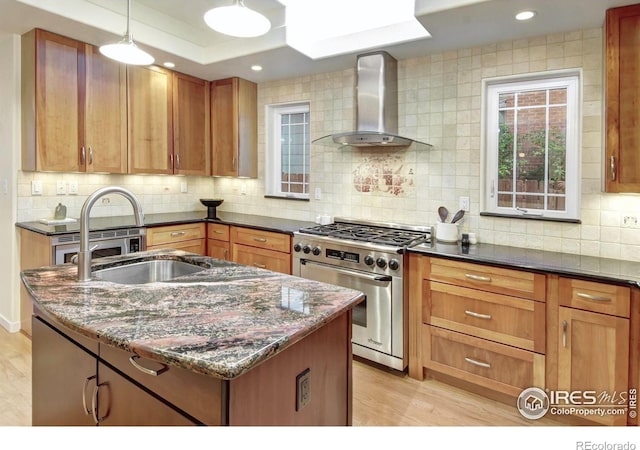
{"x": 196, "y": 394}
{"x": 264, "y": 259}
{"x": 489, "y": 364}
{"x": 279, "y": 242}
{"x": 509, "y": 320}
{"x": 596, "y": 297}
{"x": 197, "y": 246}
{"x": 175, "y": 233}
{"x": 218, "y": 231}
{"x": 493, "y": 279}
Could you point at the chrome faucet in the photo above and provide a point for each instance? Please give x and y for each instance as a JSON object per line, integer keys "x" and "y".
{"x": 84, "y": 255}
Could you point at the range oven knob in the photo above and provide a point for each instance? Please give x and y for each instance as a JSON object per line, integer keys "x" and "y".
{"x": 316, "y": 251}
{"x": 394, "y": 264}
{"x": 381, "y": 262}
{"x": 297, "y": 247}
{"x": 369, "y": 261}
{"x": 306, "y": 249}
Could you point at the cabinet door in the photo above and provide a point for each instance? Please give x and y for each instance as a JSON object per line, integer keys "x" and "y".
{"x": 622, "y": 165}
{"x": 105, "y": 137}
{"x": 150, "y": 120}
{"x": 218, "y": 249}
{"x": 234, "y": 127}
{"x": 264, "y": 259}
{"x": 63, "y": 379}
{"x": 123, "y": 403}
{"x": 593, "y": 355}
{"x": 191, "y": 125}
{"x": 59, "y": 66}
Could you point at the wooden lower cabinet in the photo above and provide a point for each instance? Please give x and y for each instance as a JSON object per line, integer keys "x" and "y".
{"x": 264, "y": 259}
{"x": 259, "y": 248}
{"x": 188, "y": 237}
{"x": 218, "y": 245}
{"x": 593, "y": 355}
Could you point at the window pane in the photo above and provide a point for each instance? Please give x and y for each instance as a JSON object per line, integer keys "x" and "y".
{"x": 294, "y": 160}
{"x": 530, "y": 151}
{"x": 557, "y": 149}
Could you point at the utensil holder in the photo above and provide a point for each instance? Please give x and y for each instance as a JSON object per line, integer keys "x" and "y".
{"x": 446, "y": 232}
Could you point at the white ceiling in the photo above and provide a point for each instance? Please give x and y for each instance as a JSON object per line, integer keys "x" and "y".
{"x": 173, "y": 30}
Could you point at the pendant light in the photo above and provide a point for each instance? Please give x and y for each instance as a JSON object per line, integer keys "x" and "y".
{"x": 237, "y": 20}
{"x": 126, "y": 51}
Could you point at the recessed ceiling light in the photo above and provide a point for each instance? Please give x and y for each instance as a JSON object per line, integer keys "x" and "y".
{"x": 256, "y": 68}
{"x": 525, "y": 15}
{"x": 169, "y": 64}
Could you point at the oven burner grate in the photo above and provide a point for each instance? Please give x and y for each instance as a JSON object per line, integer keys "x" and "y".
{"x": 365, "y": 233}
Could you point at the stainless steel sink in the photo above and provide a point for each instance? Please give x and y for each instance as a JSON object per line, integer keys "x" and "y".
{"x": 147, "y": 271}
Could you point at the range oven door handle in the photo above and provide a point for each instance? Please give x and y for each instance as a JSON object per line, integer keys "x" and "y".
{"x": 352, "y": 273}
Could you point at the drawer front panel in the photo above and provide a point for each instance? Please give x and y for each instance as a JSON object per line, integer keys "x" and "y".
{"x": 493, "y": 279}
{"x": 496, "y": 366}
{"x": 218, "y": 231}
{"x": 596, "y": 297}
{"x": 509, "y": 320}
{"x": 279, "y": 242}
{"x": 175, "y": 233}
{"x": 197, "y": 246}
{"x": 264, "y": 259}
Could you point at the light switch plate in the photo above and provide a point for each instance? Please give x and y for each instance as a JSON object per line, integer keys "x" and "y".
{"x": 73, "y": 187}
{"x": 183, "y": 187}
{"x": 61, "y": 187}
{"x": 36, "y": 187}
{"x": 303, "y": 389}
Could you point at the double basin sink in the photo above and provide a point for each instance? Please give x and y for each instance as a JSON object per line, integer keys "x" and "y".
{"x": 143, "y": 272}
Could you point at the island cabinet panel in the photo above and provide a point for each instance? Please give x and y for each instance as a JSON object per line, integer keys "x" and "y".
{"x": 258, "y": 248}
{"x": 218, "y": 245}
{"x": 187, "y": 237}
{"x": 622, "y": 162}
{"x": 35, "y": 251}
{"x": 267, "y": 394}
{"x": 150, "y": 113}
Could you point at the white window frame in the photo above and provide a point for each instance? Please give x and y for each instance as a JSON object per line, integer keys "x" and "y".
{"x": 491, "y": 90}
{"x": 273, "y": 173}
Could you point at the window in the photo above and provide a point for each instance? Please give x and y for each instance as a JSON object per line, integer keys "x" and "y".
{"x": 531, "y": 153}
{"x": 288, "y": 144}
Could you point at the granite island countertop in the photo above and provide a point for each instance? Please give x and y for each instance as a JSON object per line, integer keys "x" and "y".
{"x": 221, "y": 321}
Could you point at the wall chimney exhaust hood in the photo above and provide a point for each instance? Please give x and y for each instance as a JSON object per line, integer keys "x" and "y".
{"x": 376, "y": 106}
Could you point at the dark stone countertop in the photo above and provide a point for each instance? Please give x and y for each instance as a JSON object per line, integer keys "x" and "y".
{"x": 150, "y": 220}
{"x": 222, "y": 321}
{"x": 586, "y": 267}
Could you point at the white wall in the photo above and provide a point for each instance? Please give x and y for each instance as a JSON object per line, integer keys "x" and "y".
{"x": 439, "y": 103}
{"x": 9, "y": 157}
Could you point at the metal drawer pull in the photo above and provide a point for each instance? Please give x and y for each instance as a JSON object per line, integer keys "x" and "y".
{"x": 478, "y": 363}
{"x": 262, "y": 266}
{"x": 564, "y": 333}
{"x": 87, "y": 411}
{"x": 260, "y": 239}
{"x": 90, "y": 155}
{"x": 478, "y": 315}
{"x": 477, "y": 277}
{"x": 94, "y": 405}
{"x": 613, "y": 168}
{"x": 218, "y": 232}
{"x": 178, "y": 233}
{"x": 83, "y": 154}
{"x": 155, "y": 373}
{"x": 596, "y": 298}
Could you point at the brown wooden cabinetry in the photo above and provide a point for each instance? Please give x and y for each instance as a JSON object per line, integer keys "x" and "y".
{"x": 622, "y": 163}
{"x": 187, "y": 237}
{"x": 480, "y": 324}
{"x": 73, "y": 107}
{"x": 234, "y": 128}
{"x": 35, "y": 251}
{"x": 592, "y": 340}
{"x": 264, "y": 249}
{"x": 218, "y": 245}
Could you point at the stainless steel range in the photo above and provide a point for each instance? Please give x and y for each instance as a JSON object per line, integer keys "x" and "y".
{"x": 369, "y": 257}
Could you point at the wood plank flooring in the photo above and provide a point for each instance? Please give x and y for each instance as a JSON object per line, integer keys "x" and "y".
{"x": 380, "y": 397}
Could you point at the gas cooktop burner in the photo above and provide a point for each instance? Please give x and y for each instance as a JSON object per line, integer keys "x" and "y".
{"x": 368, "y": 233}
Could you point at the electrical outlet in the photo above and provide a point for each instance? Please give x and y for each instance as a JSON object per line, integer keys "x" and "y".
{"x": 465, "y": 204}
{"x": 61, "y": 187}
{"x": 73, "y": 187}
{"x": 630, "y": 222}
{"x": 243, "y": 189}
{"x": 183, "y": 187}
{"x": 318, "y": 193}
{"x": 36, "y": 187}
{"x": 303, "y": 389}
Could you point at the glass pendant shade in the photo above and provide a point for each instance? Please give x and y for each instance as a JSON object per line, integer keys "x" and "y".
{"x": 237, "y": 20}
{"x": 126, "y": 51}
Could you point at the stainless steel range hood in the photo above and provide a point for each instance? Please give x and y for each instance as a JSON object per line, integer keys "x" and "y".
{"x": 376, "y": 106}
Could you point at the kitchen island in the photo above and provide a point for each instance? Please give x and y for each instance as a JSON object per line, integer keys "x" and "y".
{"x": 228, "y": 345}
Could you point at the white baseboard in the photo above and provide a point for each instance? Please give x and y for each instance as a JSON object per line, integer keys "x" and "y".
{"x": 11, "y": 327}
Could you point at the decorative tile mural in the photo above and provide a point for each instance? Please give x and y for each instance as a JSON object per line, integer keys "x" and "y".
{"x": 386, "y": 173}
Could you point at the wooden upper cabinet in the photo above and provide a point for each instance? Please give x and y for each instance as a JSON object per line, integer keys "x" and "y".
{"x": 150, "y": 120}
{"x": 234, "y": 127}
{"x": 73, "y": 106}
{"x": 622, "y": 164}
{"x": 191, "y": 133}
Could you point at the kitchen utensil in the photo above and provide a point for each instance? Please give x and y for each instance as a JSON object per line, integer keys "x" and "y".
{"x": 458, "y": 216}
{"x": 443, "y": 213}
{"x": 211, "y": 204}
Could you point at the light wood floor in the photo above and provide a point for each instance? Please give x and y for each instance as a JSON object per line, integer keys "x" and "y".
{"x": 380, "y": 397}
